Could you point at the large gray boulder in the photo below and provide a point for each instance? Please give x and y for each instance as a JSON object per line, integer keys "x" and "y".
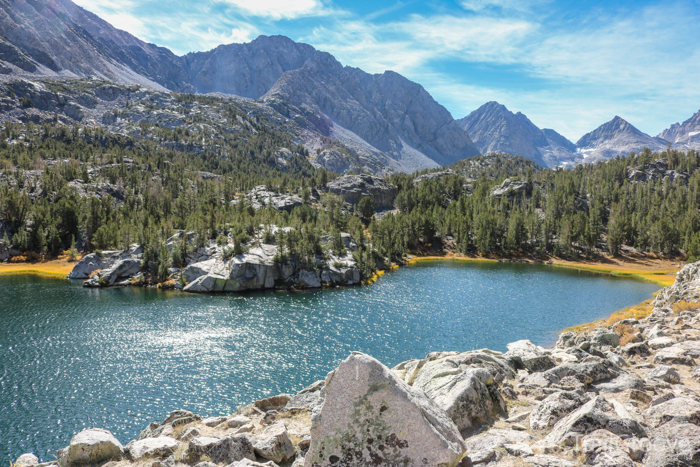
{"x": 665, "y": 373}
{"x": 310, "y": 397}
{"x": 554, "y": 407}
{"x": 151, "y": 448}
{"x": 123, "y": 269}
{"x": 91, "y": 446}
{"x": 587, "y": 372}
{"x": 225, "y": 450}
{"x": 686, "y": 287}
{"x": 683, "y": 408}
{"x": 371, "y": 417}
{"x": 274, "y": 444}
{"x": 533, "y": 358}
{"x": 604, "y": 449}
{"x": 86, "y": 266}
{"x": 674, "y": 445}
{"x": 624, "y": 382}
{"x": 598, "y": 413}
{"x": 468, "y": 395}
{"x": 352, "y": 188}
{"x": 683, "y": 353}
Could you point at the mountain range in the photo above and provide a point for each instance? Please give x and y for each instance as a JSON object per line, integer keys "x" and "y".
{"x": 375, "y": 122}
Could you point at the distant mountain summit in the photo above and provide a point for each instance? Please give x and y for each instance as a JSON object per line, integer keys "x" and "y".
{"x": 246, "y": 70}
{"x": 494, "y": 128}
{"x": 616, "y": 138}
{"x": 684, "y": 135}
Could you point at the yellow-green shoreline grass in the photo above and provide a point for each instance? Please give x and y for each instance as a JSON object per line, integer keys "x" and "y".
{"x": 663, "y": 278}
{"x": 35, "y": 272}
{"x": 425, "y": 259}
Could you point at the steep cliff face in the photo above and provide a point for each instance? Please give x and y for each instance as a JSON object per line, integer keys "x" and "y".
{"x": 247, "y": 70}
{"x": 616, "y": 138}
{"x": 373, "y": 113}
{"x": 684, "y": 135}
{"x": 494, "y": 128}
{"x": 59, "y": 38}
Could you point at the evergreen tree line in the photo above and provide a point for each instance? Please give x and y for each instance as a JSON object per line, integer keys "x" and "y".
{"x": 587, "y": 210}
{"x": 156, "y": 189}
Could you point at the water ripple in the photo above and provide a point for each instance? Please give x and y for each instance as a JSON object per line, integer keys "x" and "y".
{"x": 72, "y": 358}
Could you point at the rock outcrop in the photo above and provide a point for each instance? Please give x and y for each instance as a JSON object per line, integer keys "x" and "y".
{"x": 260, "y": 197}
{"x": 653, "y": 171}
{"x": 685, "y": 288}
{"x": 213, "y": 269}
{"x": 371, "y": 417}
{"x": 510, "y": 188}
{"x": 352, "y": 188}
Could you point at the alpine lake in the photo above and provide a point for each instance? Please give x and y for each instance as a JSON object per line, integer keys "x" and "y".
{"x": 73, "y": 358}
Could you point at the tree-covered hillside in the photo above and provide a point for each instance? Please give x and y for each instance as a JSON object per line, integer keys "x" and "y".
{"x": 638, "y": 201}
{"x": 63, "y": 185}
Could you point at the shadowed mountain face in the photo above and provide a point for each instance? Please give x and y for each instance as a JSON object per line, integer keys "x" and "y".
{"x": 616, "y": 138}
{"x": 382, "y": 120}
{"x": 494, "y": 128}
{"x": 247, "y": 70}
{"x": 684, "y": 135}
{"x": 59, "y": 38}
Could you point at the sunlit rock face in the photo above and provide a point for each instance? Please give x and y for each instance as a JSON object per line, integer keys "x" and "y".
{"x": 616, "y": 138}
{"x": 684, "y": 135}
{"x": 494, "y": 128}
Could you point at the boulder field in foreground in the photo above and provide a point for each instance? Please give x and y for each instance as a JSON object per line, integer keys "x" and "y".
{"x": 587, "y": 401}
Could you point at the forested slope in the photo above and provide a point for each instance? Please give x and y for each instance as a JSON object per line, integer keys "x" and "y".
{"x": 83, "y": 185}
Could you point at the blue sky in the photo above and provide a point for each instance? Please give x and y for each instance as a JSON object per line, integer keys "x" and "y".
{"x": 567, "y": 65}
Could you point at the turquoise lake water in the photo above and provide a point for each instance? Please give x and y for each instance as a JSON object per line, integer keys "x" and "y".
{"x": 74, "y": 358}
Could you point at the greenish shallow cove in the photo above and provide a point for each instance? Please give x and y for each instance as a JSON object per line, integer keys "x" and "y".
{"x": 73, "y": 358}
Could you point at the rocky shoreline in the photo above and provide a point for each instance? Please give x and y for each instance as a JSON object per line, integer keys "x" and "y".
{"x": 211, "y": 268}
{"x": 622, "y": 395}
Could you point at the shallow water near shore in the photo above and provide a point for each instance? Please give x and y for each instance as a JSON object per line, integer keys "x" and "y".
{"x": 74, "y": 358}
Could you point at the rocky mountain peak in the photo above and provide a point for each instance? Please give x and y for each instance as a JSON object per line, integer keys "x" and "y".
{"x": 684, "y": 135}
{"x": 616, "y": 137}
{"x": 494, "y": 128}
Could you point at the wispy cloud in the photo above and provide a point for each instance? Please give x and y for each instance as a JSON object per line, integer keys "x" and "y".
{"x": 279, "y": 9}
{"x": 505, "y": 5}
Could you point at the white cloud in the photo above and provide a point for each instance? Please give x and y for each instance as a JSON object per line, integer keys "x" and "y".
{"x": 118, "y": 14}
{"x": 127, "y": 22}
{"x": 279, "y": 9}
{"x": 408, "y": 46}
{"x": 470, "y": 38}
{"x": 516, "y": 5}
